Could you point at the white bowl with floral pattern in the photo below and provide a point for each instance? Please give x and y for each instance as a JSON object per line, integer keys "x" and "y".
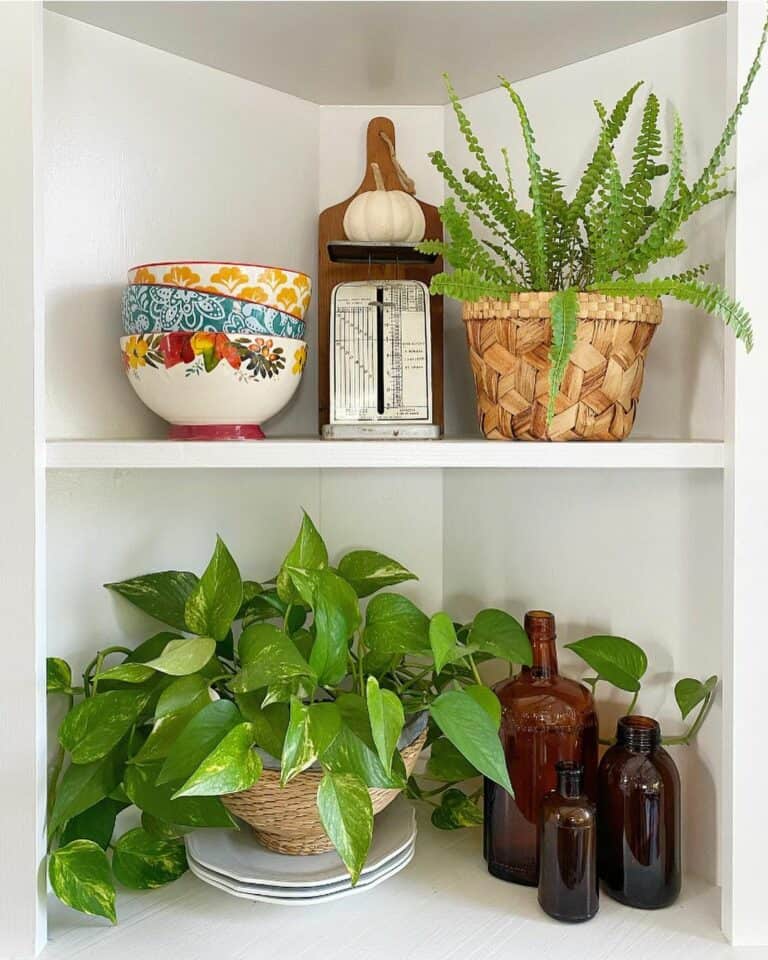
{"x": 213, "y": 386}
{"x": 276, "y": 287}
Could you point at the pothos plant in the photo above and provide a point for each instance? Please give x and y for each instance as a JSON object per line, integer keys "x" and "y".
{"x": 604, "y": 238}
{"x": 292, "y": 667}
{"x": 614, "y": 660}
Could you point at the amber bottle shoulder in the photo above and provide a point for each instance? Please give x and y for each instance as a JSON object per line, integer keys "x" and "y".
{"x": 618, "y": 761}
{"x": 523, "y": 686}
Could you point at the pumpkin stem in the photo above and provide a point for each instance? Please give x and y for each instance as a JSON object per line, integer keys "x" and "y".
{"x": 405, "y": 181}
{"x": 377, "y": 176}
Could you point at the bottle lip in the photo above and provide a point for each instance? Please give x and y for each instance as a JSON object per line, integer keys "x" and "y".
{"x": 638, "y": 732}
{"x": 569, "y": 777}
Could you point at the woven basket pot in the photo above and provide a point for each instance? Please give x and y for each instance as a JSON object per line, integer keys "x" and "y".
{"x": 509, "y": 345}
{"x": 285, "y": 819}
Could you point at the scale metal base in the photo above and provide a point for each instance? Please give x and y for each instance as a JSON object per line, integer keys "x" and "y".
{"x": 381, "y": 431}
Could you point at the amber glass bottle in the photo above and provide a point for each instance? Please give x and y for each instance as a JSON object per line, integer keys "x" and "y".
{"x": 638, "y": 847}
{"x": 568, "y": 849}
{"x": 545, "y": 718}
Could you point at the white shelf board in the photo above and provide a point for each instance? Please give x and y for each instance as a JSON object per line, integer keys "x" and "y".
{"x": 312, "y": 453}
{"x": 443, "y": 905}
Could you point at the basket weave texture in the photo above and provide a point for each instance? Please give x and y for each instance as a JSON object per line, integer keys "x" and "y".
{"x": 285, "y": 819}
{"x": 509, "y": 345}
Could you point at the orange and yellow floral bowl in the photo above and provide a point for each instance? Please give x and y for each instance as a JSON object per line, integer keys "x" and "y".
{"x": 276, "y": 287}
{"x": 213, "y": 386}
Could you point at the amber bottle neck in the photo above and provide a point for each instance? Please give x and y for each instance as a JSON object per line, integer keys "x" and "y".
{"x": 569, "y": 779}
{"x": 540, "y": 627}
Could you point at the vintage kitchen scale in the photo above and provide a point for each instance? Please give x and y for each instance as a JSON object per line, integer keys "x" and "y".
{"x": 380, "y": 331}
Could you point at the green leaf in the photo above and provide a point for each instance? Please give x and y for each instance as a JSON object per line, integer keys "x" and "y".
{"x": 614, "y": 659}
{"x": 387, "y": 720}
{"x": 97, "y": 823}
{"x": 393, "y": 624}
{"x": 446, "y": 763}
{"x": 152, "y": 648}
{"x": 337, "y": 616}
{"x": 269, "y": 722}
{"x": 157, "y": 799}
{"x": 368, "y": 571}
{"x": 473, "y": 733}
{"x": 184, "y": 656}
{"x": 498, "y": 633}
{"x": 346, "y": 813}
{"x": 456, "y": 810}
{"x": 144, "y": 862}
{"x": 127, "y": 673}
{"x": 215, "y": 601}
{"x": 161, "y": 595}
{"x": 307, "y": 553}
{"x": 81, "y": 878}
{"x": 58, "y": 675}
{"x": 160, "y": 829}
{"x": 564, "y": 308}
{"x": 311, "y": 730}
{"x": 487, "y": 699}
{"x": 689, "y": 693}
{"x": 97, "y": 724}
{"x": 84, "y": 785}
{"x": 178, "y": 704}
{"x": 198, "y": 738}
{"x": 348, "y": 753}
{"x": 231, "y": 766}
{"x": 442, "y": 640}
{"x": 271, "y": 658}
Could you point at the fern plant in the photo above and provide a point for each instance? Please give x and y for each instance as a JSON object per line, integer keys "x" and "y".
{"x": 604, "y": 239}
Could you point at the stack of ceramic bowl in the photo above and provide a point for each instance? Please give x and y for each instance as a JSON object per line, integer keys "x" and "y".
{"x": 232, "y": 861}
{"x": 214, "y": 348}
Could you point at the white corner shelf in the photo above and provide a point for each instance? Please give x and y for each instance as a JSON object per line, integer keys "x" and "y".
{"x": 313, "y": 453}
{"x": 444, "y": 904}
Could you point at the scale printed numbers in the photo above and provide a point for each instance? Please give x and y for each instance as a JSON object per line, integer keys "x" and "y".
{"x": 380, "y": 353}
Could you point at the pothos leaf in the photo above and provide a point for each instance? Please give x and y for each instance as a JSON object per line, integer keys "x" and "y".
{"x": 615, "y": 659}
{"x": 689, "y": 693}
{"x": 161, "y": 595}
{"x": 144, "y": 862}
{"x": 346, "y": 813}
{"x": 81, "y": 878}
{"x": 215, "y": 601}
{"x": 58, "y": 675}
{"x": 456, "y": 810}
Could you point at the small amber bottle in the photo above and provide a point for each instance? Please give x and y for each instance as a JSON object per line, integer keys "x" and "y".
{"x": 639, "y": 817}
{"x": 568, "y": 849}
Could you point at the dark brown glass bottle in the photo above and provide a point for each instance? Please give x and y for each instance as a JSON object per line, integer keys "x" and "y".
{"x": 568, "y": 849}
{"x": 638, "y": 847}
{"x": 545, "y": 718}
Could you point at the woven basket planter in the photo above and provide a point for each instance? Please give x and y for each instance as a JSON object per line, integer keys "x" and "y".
{"x": 285, "y": 819}
{"x": 509, "y": 345}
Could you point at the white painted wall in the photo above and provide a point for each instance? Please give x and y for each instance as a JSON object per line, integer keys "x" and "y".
{"x": 745, "y": 920}
{"x": 22, "y": 560}
{"x": 682, "y": 394}
{"x": 153, "y": 157}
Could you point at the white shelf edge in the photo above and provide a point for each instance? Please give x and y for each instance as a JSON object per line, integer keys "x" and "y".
{"x": 313, "y": 453}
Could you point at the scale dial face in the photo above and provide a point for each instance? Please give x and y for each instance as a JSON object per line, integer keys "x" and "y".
{"x": 381, "y": 353}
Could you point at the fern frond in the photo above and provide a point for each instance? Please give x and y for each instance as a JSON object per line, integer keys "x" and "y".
{"x": 666, "y": 220}
{"x": 639, "y": 186}
{"x": 604, "y": 227}
{"x": 691, "y": 274}
{"x": 718, "y": 154}
{"x": 463, "y": 251}
{"x": 609, "y": 131}
{"x": 563, "y": 308}
{"x": 539, "y": 264}
{"x": 473, "y": 144}
{"x": 709, "y": 297}
{"x": 466, "y": 285}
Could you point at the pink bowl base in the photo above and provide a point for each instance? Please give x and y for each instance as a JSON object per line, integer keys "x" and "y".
{"x": 216, "y": 431}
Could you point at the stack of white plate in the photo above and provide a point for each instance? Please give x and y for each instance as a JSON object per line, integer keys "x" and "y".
{"x": 233, "y": 861}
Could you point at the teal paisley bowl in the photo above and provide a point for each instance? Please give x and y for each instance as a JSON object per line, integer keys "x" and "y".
{"x": 155, "y": 308}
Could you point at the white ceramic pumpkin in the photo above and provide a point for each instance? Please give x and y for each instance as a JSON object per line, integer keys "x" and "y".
{"x": 384, "y": 216}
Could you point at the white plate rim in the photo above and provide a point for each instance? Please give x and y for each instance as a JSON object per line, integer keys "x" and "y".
{"x": 303, "y": 893}
{"x": 318, "y": 883}
{"x": 304, "y": 901}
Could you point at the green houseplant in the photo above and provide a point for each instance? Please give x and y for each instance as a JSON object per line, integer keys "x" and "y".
{"x": 292, "y": 667}
{"x": 600, "y": 242}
